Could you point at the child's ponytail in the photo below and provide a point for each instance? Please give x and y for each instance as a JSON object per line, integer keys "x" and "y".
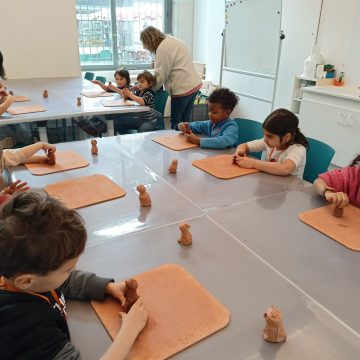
{"x": 299, "y": 138}
{"x": 356, "y": 161}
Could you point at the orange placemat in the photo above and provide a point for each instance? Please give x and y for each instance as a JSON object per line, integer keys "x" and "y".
{"x": 94, "y": 94}
{"x": 120, "y": 102}
{"x": 20, "y": 98}
{"x": 222, "y": 167}
{"x": 65, "y": 160}
{"x": 345, "y": 230}
{"x": 174, "y": 142}
{"x": 85, "y": 191}
{"x": 181, "y": 312}
{"x": 25, "y": 109}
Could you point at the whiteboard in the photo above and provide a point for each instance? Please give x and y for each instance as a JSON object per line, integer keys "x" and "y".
{"x": 252, "y": 32}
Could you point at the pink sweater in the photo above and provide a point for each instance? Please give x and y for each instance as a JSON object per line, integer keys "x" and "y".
{"x": 346, "y": 180}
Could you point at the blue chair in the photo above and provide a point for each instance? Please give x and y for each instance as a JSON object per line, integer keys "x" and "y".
{"x": 249, "y": 130}
{"x": 318, "y": 159}
{"x": 101, "y": 79}
{"x": 89, "y": 76}
{"x": 160, "y": 99}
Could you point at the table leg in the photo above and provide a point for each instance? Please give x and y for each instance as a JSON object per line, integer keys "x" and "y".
{"x": 43, "y": 133}
{"x": 110, "y": 128}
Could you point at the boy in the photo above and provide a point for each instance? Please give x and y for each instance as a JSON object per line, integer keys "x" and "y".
{"x": 40, "y": 243}
{"x": 220, "y": 131}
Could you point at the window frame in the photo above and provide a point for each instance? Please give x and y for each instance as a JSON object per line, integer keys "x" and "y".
{"x": 116, "y": 65}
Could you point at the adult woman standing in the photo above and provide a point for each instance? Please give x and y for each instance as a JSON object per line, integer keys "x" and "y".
{"x": 174, "y": 68}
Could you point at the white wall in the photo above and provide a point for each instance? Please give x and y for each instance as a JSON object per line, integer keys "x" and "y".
{"x": 41, "y": 38}
{"x": 183, "y": 21}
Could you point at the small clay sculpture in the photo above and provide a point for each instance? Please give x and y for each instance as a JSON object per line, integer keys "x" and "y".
{"x": 130, "y": 294}
{"x": 173, "y": 166}
{"x": 186, "y": 237}
{"x": 94, "y": 148}
{"x": 338, "y": 212}
{"x": 78, "y": 101}
{"x": 45, "y": 94}
{"x": 50, "y": 157}
{"x": 274, "y": 329}
{"x": 144, "y": 196}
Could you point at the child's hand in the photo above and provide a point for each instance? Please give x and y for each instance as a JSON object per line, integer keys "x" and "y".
{"x": 96, "y": 82}
{"x": 116, "y": 290}
{"x": 112, "y": 87}
{"x": 339, "y": 199}
{"x": 126, "y": 93}
{"x": 241, "y": 150}
{"x": 16, "y": 187}
{"x": 3, "y": 91}
{"x": 48, "y": 147}
{"x": 185, "y": 127}
{"x": 192, "y": 138}
{"x": 245, "y": 162}
{"x": 135, "y": 320}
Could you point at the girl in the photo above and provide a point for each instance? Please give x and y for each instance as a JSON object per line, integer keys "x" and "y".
{"x": 5, "y": 99}
{"x": 283, "y": 142}
{"x": 144, "y": 96}
{"x": 122, "y": 79}
{"x": 341, "y": 186}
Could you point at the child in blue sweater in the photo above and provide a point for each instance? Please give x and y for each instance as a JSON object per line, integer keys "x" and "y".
{"x": 220, "y": 132}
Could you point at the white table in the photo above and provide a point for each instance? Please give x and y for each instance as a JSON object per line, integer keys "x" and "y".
{"x": 62, "y": 101}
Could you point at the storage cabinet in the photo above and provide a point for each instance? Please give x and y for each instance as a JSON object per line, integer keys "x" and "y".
{"x": 332, "y": 115}
{"x": 299, "y": 84}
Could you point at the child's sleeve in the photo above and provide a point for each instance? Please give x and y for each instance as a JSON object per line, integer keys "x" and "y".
{"x": 13, "y": 157}
{"x": 256, "y": 145}
{"x": 162, "y": 67}
{"x": 297, "y": 155}
{"x": 69, "y": 351}
{"x": 200, "y": 127}
{"x": 84, "y": 285}
{"x": 227, "y": 139}
{"x": 148, "y": 99}
{"x": 334, "y": 179}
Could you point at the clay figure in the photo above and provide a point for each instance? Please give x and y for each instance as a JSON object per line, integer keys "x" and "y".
{"x": 274, "y": 329}
{"x": 186, "y": 237}
{"x": 45, "y": 94}
{"x": 130, "y": 294}
{"x": 173, "y": 166}
{"x": 338, "y": 211}
{"x": 94, "y": 148}
{"x": 50, "y": 157}
{"x": 144, "y": 196}
{"x": 78, "y": 101}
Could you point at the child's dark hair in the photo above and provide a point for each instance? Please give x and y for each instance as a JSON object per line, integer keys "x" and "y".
{"x": 38, "y": 234}
{"x": 225, "y": 97}
{"x": 356, "y": 161}
{"x": 2, "y": 70}
{"x": 147, "y": 76}
{"x": 282, "y": 121}
{"x": 124, "y": 74}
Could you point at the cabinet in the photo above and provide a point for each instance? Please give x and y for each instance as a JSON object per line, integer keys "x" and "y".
{"x": 299, "y": 84}
{"x": 332, "y": 115}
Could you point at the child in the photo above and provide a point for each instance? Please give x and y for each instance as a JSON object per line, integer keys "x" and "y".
{"x": 5, "y": 98}
{"x": 283, "y": 142}
{"x": 221, "y": 132}
{"x": 341, "y": 186}
{"x": 144, "y": 96}
{"x": 40, "y": 243}
{"x": 122, "y": 79}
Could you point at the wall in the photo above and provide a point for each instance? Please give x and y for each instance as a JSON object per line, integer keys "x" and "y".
{"x": 41, "y": 38}
{"x": 183, "y": 21}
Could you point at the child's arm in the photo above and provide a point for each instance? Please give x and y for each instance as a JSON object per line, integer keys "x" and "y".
{"x": 115, "y": 89}
{"x": 275, "y": 168}
{"x": 30, "y": 150}
{"x": 5, "y": 103}
{"x": 97, "y": 82}
{"x": 338, "y": 198}
{"x": 228, "y": 138}
{"x": 242, "y": 149}
{"x": 127, "y": 93}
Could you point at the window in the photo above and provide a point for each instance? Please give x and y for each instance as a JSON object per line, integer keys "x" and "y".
{"x": 109, "y": 31}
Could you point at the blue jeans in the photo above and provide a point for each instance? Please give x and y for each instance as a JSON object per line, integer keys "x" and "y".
{"x": 181, "y": 109}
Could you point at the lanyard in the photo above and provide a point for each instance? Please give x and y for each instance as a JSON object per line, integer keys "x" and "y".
{"x": 271, "y": 153}
{"x": 59, "y": 304}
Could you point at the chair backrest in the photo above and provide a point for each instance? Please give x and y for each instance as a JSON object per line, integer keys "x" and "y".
{"x": 249, "y": 130}
{"x": 318, "y": 159}
{"x": 160, "y": 99}
{"x": 89, "y": 76}
{"x": 101, "y": 78}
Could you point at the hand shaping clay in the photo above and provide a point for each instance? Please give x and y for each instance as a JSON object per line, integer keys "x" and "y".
{"x": 51, "y": 160}
{"x": 94, "y": 148}
{"x": 144, "y": 196}
{"x": 338, "y": 212}
{"x": 274, "y": 328}
{"x": 186, "y": 237}
{"x": 173, "y": 166}
{"x": 130, "y": 294}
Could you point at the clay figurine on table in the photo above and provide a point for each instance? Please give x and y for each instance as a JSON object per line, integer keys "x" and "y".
{"x": 144, "y": 196}
{"x": 274, "y": 329}
{"x": 186, "y": 237}
{"x": 173, "y": 166}
{"x": 130, "y": 294}
{"x": 45, "y": 94}
{"x": 338, "y": 211}
{"x": 78, "y": 101}
{"x": 94, "y": 148}
{"x": 50, "y": 157}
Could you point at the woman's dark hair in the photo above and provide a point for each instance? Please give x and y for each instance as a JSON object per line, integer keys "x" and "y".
{"x": 2, "y": 70}
{"x": 282, "y": 121}
{"x": 124, "y": 74}
{"x": 356, "y": 161}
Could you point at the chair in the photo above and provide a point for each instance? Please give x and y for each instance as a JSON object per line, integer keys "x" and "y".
{"x": 101, "y": 79}
{"x": 249, "y": 130}
{"x": 89, "y": 76}
{"x": 160, "y": 99}
{"x": 318, "y": 159}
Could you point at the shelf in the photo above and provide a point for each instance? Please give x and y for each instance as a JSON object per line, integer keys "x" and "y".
{"x": 297, "y": 99}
